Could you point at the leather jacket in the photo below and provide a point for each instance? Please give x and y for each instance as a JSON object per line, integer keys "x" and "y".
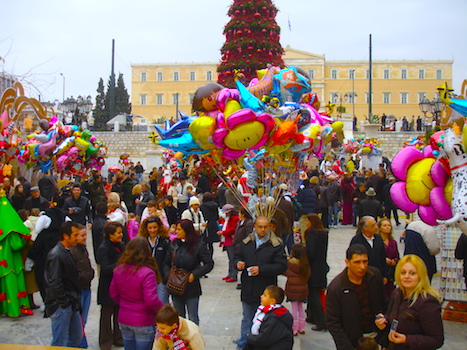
{"x": 62, "y": 286}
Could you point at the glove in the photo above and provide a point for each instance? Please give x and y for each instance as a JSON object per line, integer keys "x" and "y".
{"x": 28, "y": 264}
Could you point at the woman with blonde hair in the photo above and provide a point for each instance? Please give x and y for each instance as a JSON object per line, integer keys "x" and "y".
{"x": 157, "y": 236}
{"x": 416, "y": 307}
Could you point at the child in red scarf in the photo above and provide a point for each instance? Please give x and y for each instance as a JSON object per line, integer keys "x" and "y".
{"x": 176, "y": 333}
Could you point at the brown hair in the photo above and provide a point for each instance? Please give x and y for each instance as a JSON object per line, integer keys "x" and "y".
{"x": 367, "y": 343}
{"x": 276, "y": 293}
{"x": 316, "y": 225}
{"x": 167, "y": 315}
{"x": 110, "y": 228}
{"x": 380, "y": 223}
{"x": 299, "y": 252}
{"x": 143, "y": 228}
{"x": 138, "y": 254}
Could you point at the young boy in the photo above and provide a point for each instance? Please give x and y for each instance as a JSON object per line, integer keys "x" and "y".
{"x": 272, "y": 324}
{"x": 176, "y": 333}
{"x": 171, "y": 211}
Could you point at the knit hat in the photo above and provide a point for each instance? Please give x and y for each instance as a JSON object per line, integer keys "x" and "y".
{"x": 194, "y": 200}
{"x": 370, "y": 192}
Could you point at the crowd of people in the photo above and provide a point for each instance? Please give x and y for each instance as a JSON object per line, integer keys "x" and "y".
{"x": 143, "y": 232}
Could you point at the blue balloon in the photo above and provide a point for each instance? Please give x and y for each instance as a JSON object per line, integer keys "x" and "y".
{"x": 175, "y": 130}
{"x": 184, "y": 144}
{"x": 248, "y": 100}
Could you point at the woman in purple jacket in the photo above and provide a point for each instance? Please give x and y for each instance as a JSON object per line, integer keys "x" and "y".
{"x": 140, "y": 303}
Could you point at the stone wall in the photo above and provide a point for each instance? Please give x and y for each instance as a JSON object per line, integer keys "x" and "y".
{"x": 140, "y": 147}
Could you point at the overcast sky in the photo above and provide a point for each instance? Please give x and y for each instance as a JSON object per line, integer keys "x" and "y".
{"x": 41, "y": 39}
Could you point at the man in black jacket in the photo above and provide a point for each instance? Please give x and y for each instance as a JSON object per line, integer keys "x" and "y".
{"x": 76, "y": 207}
{"x": 142, "y": 201}
{"x": 373, "y": 243}
{"x": 353, "y": 300}
{"x": 63, "y": 290}
{"x": 261, "y": 258}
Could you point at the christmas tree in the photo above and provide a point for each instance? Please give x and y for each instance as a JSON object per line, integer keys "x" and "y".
{"x": 251, "y": 40}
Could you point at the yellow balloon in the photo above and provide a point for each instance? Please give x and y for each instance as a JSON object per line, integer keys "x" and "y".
{"x": 419, "y": 182}
{"x": 279, "y": 148}
{"x": 201, "y": 129}
{"x": 366, "y": 150}
{"x": 337, "y": 126}
{"x": 230, "y": 107}
{"x": 448, "y": 190}
{"x": 260, "y": 73}
{"x": 350, "y": 166}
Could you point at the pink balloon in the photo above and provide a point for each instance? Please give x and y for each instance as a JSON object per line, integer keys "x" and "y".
{"x": 403, "y": 160}
{"x": 428, "y": 215}
{"x": 440, "y": 204}
{"x": 438, "y": 174}
{"x": 400, "y": 198}
{"x": 428, "y": 152}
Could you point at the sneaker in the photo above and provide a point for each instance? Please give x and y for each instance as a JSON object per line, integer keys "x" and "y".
{"x": 228, "y": 280}
{"x": 225, "y": 278}
{"x": 239, "y": 286}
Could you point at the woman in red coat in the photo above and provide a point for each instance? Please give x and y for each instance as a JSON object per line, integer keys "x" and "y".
{"x": 229, "y": 224}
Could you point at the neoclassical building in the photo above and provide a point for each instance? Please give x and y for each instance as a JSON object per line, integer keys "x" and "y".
{"x": 397, "y": 85}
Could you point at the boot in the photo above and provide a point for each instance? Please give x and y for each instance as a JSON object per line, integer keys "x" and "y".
{"x": 295, "y": 327}
{"x": 301, "y": 325}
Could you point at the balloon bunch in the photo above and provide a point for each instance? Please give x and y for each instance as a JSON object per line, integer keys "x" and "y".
{"x": 370, "y": 147}
{"x": 62, "y": 148}
{"x": 351, "y": 146}
{"x": 417, "y": 141}
{"x": 276, "y": 112}
{"x": 9, "y": 136}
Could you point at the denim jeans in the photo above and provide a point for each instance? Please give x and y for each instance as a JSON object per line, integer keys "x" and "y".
{"x": 163, "y": 293}
{"x": 334, "y": 210}
{"x": 85, "y": 304}
{"x": 182, "y": 304}
{"x": 66, "y": 327}
{"x": 249, "y": 311}
{"x": 137, "y": 338}
{"x": 232, "y": 268}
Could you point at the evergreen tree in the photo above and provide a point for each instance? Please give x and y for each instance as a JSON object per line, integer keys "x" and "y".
{"x": 101, "y": 116}
{"x": 251, "y": 40}
{"x": 122, "y": 99}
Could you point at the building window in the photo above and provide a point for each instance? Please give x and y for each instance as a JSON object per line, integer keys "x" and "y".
{"x": 421, "y": 96}
{"x": 439, "y": 74}
{"x": 421, "y": 74}
{"x": 351, "y": 73}
{"x": 311, "y": 74}
{"x": 192, "y": 75}
{"x": 404, "y": 97}
{"x": 159, "y": 76}
{"x": 334, "y": 97}
{"x": 143, "y": 76}
{"x": 386, "y": 97}
{"x": 191, "y": 96}
{"x": 351, "y": 97}
{"x": 386, "y": 74}
{"x": 367, "y": 98}
{"x": 176, "y": 76}
{"x": 333, "y": 73}
{"x": 143, "y": 100}
{"x": 368, "y": 74}
{"x": 175, "y": 98}
{"x": 209, "y": 75}
{"x": 159, "y": 99}
{"x": 403, "y": 73}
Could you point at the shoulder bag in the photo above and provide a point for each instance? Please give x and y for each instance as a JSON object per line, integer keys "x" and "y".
{"x": 177, "y": 280}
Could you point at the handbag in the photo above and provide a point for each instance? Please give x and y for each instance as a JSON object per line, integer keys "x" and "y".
{"x": 177, "y": 280}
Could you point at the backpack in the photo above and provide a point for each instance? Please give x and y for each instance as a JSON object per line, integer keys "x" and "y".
{"x": 297, "y": 207}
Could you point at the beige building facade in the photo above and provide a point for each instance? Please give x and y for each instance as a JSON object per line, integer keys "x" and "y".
{"x": 397, "y": 85}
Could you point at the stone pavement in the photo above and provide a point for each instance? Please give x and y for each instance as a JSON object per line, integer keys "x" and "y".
{"x": 220, "y": 309}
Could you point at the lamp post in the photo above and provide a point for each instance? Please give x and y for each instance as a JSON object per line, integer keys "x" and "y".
{"x": 436, "y": 108}
{"x": 63, "y": 76}
{"x": 78, "y": 108}
{"x": 353, "y": 93}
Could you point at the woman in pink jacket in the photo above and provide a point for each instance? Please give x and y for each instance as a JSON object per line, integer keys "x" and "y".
{"x": 140, "y": 303}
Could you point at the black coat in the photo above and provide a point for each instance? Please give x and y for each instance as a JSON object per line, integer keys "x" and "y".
{"x": 275, "y": 332}
{"x": 81, "y": 209}
{"x": 270, "y": 257}
{"x": 98, "y": 232}
{"x": 343, "y": 309}
{"x": 45, "y": 241}
{"x": 147, "y": 196}
{"x": 203, "y": 184}
{"x": 18, "y": 201}
{"x": 43, "y": 204}
{"x": 307, "y": 197}
{"x": 172, "y": 215}
{"x": 211, "y": 216}
{"x": 376, "y": 255}
{"x": 461, "y": 252}
{"x": 107, "y": 257}
{"x": 159, "y": 251}
{"x": 370, "y": 207}
{"x": 62, "y": 286}
{"x": 317, "y": 248}
{"x": 198, "y": 263}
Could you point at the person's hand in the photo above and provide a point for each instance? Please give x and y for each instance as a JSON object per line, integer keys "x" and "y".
{"x": 240, "y": 265}
{"x": 219, "y": 233}
{"x": 204, "y": 224}
{"x": 70, "y": 211}
{"x": 397, "y": 338}
{"x": 89, "y": 226}
{"x": 137, "y": 201}
{"x": 380, "y": 322}
{"x": 385, "y": 280}
{"x": 254, "y": 270}
{"x": 191, "y": 278}
{"x": 388, "y": 262}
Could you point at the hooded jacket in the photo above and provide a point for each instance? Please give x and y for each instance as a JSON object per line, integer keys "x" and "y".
{"x": 211, "y": 215}
{"x": 275, "y": 332}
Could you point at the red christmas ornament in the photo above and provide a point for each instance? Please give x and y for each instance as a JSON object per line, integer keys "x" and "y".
{"x": 257, "y": 15}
